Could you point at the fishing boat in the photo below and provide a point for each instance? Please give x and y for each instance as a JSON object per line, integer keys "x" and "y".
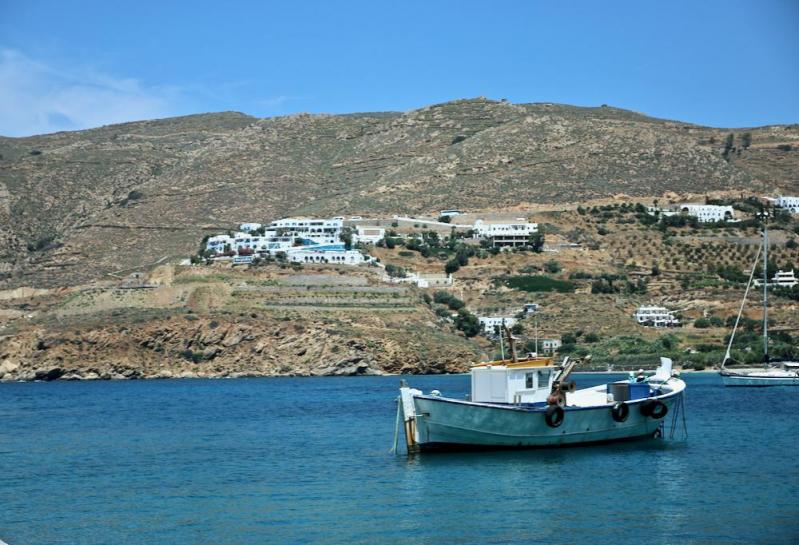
{"x": 527, "y": 403}
{"x": 772, "y": 372}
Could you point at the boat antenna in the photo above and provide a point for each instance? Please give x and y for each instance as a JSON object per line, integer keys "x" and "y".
{"x": 740, "y": 311}
{"x": 765, "y": 293}
{"x": 501, "y": 346}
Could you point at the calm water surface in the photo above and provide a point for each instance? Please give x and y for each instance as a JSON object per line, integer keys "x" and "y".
{"x": 257, "y": 461}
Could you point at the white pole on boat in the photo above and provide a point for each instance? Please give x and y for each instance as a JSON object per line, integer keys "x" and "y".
{"x": 765, "y": 294}
{"x": 536, "y": 335}
{"x": 740, "y": 310}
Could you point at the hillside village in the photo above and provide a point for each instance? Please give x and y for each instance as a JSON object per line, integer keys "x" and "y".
{"x": 624, "y": 281}
{"x": 453, "y": 237}
{"x": 582, "y": 229}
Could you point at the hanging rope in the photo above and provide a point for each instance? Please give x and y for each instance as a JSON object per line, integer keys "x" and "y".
{"x": 396, "y": 428}
{"x": 679, "y": 413}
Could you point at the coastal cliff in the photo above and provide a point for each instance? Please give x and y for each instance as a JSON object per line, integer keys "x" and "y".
{"x": 191, "y": 346}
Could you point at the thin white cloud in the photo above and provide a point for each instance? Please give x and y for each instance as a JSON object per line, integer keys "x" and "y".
{"x": 275, "y": 104}
{"x": 37, "y": 98}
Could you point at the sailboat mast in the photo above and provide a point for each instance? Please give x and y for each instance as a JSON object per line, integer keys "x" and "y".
{"x": 765, "y": 294}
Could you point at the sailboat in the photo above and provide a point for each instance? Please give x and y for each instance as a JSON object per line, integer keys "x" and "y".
{"x": 772, "y": 373}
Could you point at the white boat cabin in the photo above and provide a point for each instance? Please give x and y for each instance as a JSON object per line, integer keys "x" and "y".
{"x": 512, "y": 383}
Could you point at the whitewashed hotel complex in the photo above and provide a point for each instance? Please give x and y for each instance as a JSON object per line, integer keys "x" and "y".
{"x": 300, "y": 240}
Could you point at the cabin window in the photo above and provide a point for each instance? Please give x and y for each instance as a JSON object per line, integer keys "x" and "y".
{"x": 543, "y": 379}
{"x": 528, "y": 381}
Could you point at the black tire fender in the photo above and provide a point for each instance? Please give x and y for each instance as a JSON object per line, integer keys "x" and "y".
{"x": 620, "y": 411}
{"x": 654, "y": 408}
{"x": 554, "y": 416}
{"x": 659, "y": 410}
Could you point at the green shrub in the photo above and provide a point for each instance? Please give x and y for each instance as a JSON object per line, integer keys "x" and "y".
{"x": 446, "y": 298}
{"x": 395, "y": 271}
{"x": 702, "y": 323}
{"x": 552, "y": 266}
{"x": 591, "y": 337}
{"x": 536, "y": 283}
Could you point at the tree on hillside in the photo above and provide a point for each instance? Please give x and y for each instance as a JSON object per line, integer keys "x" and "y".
{"x": 536, "y": 241}
{"x": 452, "y": 266}
{"x": 729, "y": 146}
{"x": 467, "y": 322}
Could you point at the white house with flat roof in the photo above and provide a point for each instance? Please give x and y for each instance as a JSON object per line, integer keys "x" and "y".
{"x": 781, "y": 279}
{"x": 366, "y": 234}
{"x": 450, "y": 213}
{"x": 493, "y": 324}
{"x": 549, "y": 346}
{"x": 345, "y": 257}
{"x": 504, "y": 233}
{"x": 650, "y": 315}
{"x": 706, "y": 213}
{"x": 788, "y": 203}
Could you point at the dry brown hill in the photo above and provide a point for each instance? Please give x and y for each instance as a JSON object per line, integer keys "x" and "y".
{"x": 75, "y": 206}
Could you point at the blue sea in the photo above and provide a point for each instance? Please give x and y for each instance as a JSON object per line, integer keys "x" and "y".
{"x": 306, "y": 460}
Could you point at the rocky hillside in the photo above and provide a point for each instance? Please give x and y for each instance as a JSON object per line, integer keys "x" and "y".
{"x": 204, "y": 322}
{"x": 76, "y": 206}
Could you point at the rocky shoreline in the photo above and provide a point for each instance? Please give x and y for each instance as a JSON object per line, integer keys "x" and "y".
{"x": 206, "y": 347}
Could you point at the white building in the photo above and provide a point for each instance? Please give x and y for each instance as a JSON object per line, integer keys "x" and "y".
{"x": 218, "y": 244}
{"x": 450, "y": 213}
{"x": 655, "y": 316}
{"x": 505, "y": 233}
{"x": 310, "y": 231}
{"x": 781, "y": 279}
{"x": 530, "y": 308}
{"x": 493, "y": 324}
{"x": 784, "y": 279}
{"x": 303, "y": 240}
{"x": 658, "y": 211}
{"x": 368, "y": 235}
{"x": 549, "y": 346}
{"x": 708, "y": 212}
{"x": 423, "y": 280}
{"x": 789, "y": 203}
{"x": 345, "y": 257}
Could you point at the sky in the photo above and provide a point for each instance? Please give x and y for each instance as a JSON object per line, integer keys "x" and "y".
{"x": 81, "y": 64}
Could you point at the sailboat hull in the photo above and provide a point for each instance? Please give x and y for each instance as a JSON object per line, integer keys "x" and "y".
{"x": 759, "y": 380}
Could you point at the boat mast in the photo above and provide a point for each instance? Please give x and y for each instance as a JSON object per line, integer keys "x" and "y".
{"x": 765, "y": 293}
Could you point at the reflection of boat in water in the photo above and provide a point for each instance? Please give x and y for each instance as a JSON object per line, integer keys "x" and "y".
{"x": 531, "y": 403}
{"x": 772, "y": 373}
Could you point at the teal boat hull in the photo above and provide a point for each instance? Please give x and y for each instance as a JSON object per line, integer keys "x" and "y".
{"x": 439, "y": 423}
